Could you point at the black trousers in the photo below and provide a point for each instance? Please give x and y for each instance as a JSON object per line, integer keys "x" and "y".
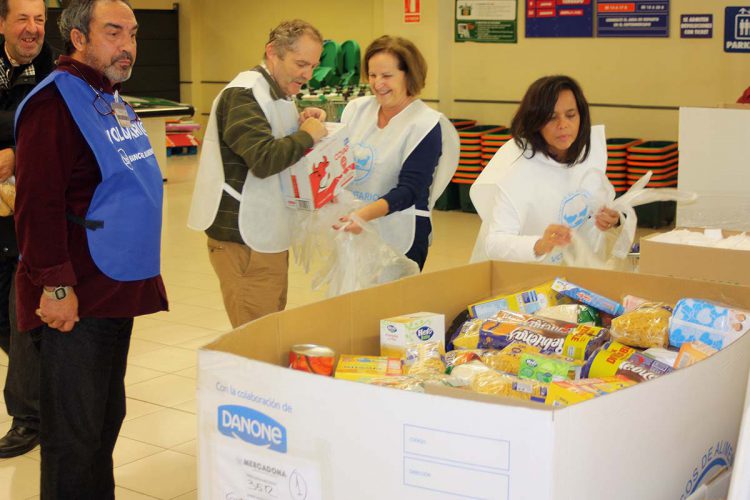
{"x": 82, "y": 407}
{"x": 22, "y": 383}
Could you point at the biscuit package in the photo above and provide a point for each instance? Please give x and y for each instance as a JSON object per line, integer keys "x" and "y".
{"x": 645, "y": 326}
{"x": 587, "y": 297}
{"x": 618, "y": 359}
{"x": 528, "y": 301}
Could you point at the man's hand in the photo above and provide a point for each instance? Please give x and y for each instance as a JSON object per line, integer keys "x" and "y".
{"x": 7, "y": 163}
{"x": 59, "y": 314}
{"x": 315, "y": 128}
{"x": 316, "y": 113}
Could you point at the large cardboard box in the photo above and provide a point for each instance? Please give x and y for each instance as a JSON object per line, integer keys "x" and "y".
{"x": 688, "y": 261}
{"x": 266, "y": 431}
{"x": 322, "y": 173}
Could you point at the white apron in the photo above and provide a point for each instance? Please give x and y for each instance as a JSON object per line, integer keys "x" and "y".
{"x": 542, "y": 190}
{"x": 379, "y": 155}
{"x": 264, "y": 221}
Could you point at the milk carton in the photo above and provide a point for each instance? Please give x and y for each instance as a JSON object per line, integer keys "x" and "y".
{"x": 400, "y": 332}
{"x": 322, "y": 173}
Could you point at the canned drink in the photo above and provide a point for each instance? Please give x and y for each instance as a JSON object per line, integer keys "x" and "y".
{"x": 312, "y": 358}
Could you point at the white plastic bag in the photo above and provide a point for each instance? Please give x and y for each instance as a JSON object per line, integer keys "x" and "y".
{"x": 591, "y": 247}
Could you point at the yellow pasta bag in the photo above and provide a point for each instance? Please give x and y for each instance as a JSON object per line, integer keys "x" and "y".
{"x": 501, "y": 384}
{"x": 509, "y": 359}
{"x": 644, "y": 327}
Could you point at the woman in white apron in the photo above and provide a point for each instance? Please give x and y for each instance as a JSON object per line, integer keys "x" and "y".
{"x": 536, "y": 188}
{"x": 404, "y": 151}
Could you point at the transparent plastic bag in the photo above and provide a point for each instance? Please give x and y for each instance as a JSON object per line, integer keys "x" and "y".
{"x": 646, "y": 326}
{"x": 349, "y": 261}
{"x": 591, "y": 247}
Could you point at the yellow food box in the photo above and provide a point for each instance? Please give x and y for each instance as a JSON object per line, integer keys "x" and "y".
{"x": 365, "y": 368}
{"x": 401, "y": 332}
{"x": 568, "y": 392}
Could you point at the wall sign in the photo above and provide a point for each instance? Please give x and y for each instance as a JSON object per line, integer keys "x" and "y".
{"x": 696, "y": 26}
{"x": 737, "y": 29}
{"x": 491, "y": 21}
{"x": 632, "y": 18}
{"x": 559, "y": 18}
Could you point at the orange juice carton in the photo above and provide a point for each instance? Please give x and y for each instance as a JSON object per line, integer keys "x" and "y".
{"x": 322, "y": 173}
{"x": 401, "y": 332}
{"x": 692, "y": 352}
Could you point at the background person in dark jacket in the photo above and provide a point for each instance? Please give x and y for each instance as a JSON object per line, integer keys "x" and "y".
{"x": 24, "y": 61}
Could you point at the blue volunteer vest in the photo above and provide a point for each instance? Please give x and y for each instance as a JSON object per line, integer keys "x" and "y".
{"x": 123, "y": 222}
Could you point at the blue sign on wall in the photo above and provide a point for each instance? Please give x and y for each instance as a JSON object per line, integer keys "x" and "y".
{"x": 737, "y": 29}
{"x": 696, "y": 26}
{"x": 553, "y": 18}
{"x": 632, "y": 18}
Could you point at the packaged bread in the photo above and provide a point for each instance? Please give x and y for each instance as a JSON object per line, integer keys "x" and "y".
{"x": 645, "y": 326}
{"x": 573, "y": 313}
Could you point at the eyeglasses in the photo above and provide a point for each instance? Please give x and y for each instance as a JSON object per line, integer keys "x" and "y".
{"x": 104, "y": 108}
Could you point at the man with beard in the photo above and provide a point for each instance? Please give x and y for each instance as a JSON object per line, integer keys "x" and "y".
{"x": 25, "y": 60}
{"x": 254, "y": 133}
{"x": 88, "y": 215}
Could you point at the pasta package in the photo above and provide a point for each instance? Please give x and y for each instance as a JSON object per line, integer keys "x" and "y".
{"x": 467, "y": 337}
{"x": 547, "y": 368}
{"x": 527, "y": 301}
{"x": 424, "y": 359}
{"x": 645, "y": 326}
{"x": 501, "y": 384}
{"x": 509, "y": 359}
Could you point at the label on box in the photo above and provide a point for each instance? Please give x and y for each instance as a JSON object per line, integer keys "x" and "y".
{"x": 322, "y": 173}
{"x": 264, "y": 475}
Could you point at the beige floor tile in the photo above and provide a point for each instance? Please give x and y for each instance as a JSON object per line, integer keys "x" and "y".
{"x": 201, "y": 341}
{"x": 169, "y": 359}
{"x": 173, "y": 333}
{"x": 210, "y": 300}
{"x": 191, "y": 372}
{"x": 136, "y": 408}
{"x": 167, "y": 390}
{"x": 215, "y": 320}
{"x": 4, "y": 417}
{"x": 125, "y": 494}
{"x": 3, "y": 358}
{"x": 144, "y": 323}
{"x": 193, "y": 495}
{"x": 129, "y": 450}
{"x": 138, "y": 346}
{"x": 19, "y": 478}
{"x": 188, "y": 406}
{"x": 3, "y": 375}
{"x": 179, "y": 312}
{"x": 177, "y": 293}
{"x": 165, "y": 475}
{"x": 189, "y": 448}
{"x": 35, "y": 454}
{"x": 136, "y": 374}
{"x": 165, "y": 428}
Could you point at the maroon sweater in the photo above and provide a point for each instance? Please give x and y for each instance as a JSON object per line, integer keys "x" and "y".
{"x": 56, "y": 174}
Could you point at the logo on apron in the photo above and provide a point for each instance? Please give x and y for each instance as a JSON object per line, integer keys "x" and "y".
{"x": 363, "y": 161}
{"x": 574, "y": 210}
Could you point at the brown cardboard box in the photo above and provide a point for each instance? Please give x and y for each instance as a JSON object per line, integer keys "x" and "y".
{"x": 264, "y": 427}
{"x": 688, "y": 261}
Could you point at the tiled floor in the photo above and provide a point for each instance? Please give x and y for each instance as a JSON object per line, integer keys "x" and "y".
{"x": 155, "y": 456}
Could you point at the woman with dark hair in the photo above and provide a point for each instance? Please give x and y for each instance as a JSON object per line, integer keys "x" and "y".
{"x": 405, "y": 152}
{"x": 537, "y": 188}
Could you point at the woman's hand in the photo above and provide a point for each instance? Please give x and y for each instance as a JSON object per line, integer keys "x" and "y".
{"x": 349, "y": 224}
{"x": 606, "y": 219}
{"x": 556, "y": 235}
{"x": 316, "y": 113}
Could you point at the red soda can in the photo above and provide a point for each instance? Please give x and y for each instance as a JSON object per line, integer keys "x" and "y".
{"x": 312, "y": 358}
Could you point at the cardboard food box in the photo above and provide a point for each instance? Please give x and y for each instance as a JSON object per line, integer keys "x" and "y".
{"x": 689, "y": 261}
{"x": 401, "y": 332}
{"x": 322, "y": 173}
{"x": 266, "y": 431}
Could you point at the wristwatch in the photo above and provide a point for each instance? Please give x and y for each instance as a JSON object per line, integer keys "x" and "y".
{"x": 58, "y": 292}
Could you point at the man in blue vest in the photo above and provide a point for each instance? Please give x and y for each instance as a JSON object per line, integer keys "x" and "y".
{"x": 25, "y": 60}
{"x": 88, "y": 216}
